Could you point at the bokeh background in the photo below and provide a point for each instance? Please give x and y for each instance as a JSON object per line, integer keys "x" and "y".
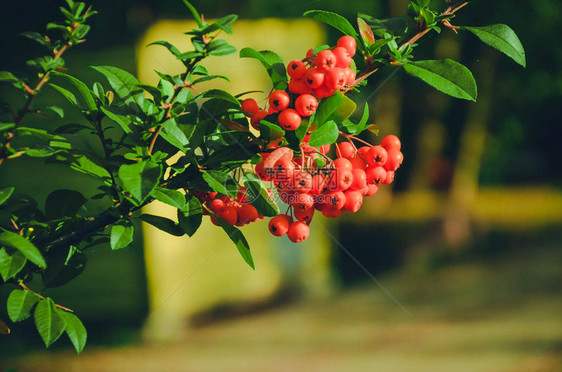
{"x": 457, "y": 266}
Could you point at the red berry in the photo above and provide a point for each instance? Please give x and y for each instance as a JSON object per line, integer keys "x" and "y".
{"x": 373, "y": 188}
{"x": 289, "y": 119}
{"x": 250, "y": 106}
{"x": 391, "y": 142}
{"x": 350, "y": 75}
{"x": 318, "y": 182}
{"x": 299, "y": 87}
{"x": 279, "y": 225}
{"x": 296, "y": 69}
{"x": 343, "y": 59}
{"x": 377, "y": 156}
{"x": 323, "y": 91}
{"x": 325, "y": 149}
{"x": 260, "y": 171}
{"x": 325, "y": 60}
{"x": 279, "y": 100}
{"x": 304, "y": 214}
{"x": 298, "y": 232}
{"x": 375, "y": 175}
{"x": 228, "y": 214}
{"x": 302, "y": 181}
{"x": 343, "y": 164}
{"x": 216, "y": 204}
{"x": 306, "y": 105}
{"x": 303, "y": 201}
{"x": 353, "y": 201}
{"x": 258, "y": 116}
{"x": 335, "y": 199}
{"x": 345, "y": 150}
{"x": 349, "y": 43}
{"x": 283, "y": 170}
{"x": 331, "y": 212}
{"x": 357, "y": 162}
{"x": 363, "y": 151}
{"x": 359, "y": 179}
{"x": 309, "y": 52}
{"x": 389, "y": 178}
{"x": 247, "y": 213}
{"x": 335, "y": 78}
{"x": 394, "y": 160}
{"x": 314, "y": 77}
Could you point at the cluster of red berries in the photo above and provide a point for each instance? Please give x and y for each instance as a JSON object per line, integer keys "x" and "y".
{"x": 315, "y": 77}
{"x": 238, "y": 212}
{"x": 333, "y": 187}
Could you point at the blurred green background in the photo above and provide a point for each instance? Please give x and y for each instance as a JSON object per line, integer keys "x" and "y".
{"x": 468, "y": 240}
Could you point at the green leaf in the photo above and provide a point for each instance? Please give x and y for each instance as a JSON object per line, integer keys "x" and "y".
{"x": 86, "y": 93}
{"x": 38, "y": 38}
{"x": 5, "y": 194}
{"x": 326, "y": 108}
{"x": 258, "y": 196}
{"x": 48, "y": 321}
{"x": 75, "y": 330}
{"x": 190, "y": 217}
{"x": 121, "y": 120}
{"x": 63, "y": 203}
{"x": 445, "y": 75}
{"x": 171, "y": 197}
{"x": 66, "y": 93}
{"x": 366, "y": 32}
{"x": 125, "y": 85}
{"x": 163, "y": 223}
{"x": 26, "y": 247}
{"x": 139, "y": 179}
{"x": 353, "y": 128}
{"x": 344, "y": 110}
{"x": 220, "y": 48}
{"x": 6, "y": 126}
{"x": 175, "y": 51}
{"x": 332, "y": 19}
{"x": 173, "y": 134}
{"x": 11, "y": 262}
{"x": 272, "y": 62}
{"x": 121, "y": 236}
{"x": 502, "y": 38}
{"x": 85, "y": 165}
{"x": 238, "y": 239}
{"x": 325, "y": 135}
{"x": 220, "y": 182}
{"x": 7, "y": 77}
{"x": 193, "y": 11}
{"x": 20, "y": 303}
{"x": 270, "y": 131}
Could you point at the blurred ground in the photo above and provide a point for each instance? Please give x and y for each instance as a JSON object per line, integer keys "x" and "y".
{"x": 502, "y": 314}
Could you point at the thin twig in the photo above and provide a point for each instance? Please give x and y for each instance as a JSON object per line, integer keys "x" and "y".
{"x": 26, "y": 288}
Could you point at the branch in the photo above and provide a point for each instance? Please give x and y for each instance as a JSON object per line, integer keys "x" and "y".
{"x": 26, "y": 288}
{"x": 371, "y": 67}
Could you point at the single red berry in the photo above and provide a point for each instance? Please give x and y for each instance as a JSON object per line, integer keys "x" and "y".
{"x": 258, "y": 116}
{"x": 299, "y": 87}
{"x": 262, "y": 174}
{"x": 375, "y": 175}
{"x": 279, "y": 100}
{"x": 343, "y": 59}
{"x": 228, "y": 214}
{"x": 335, "y": 78}
{"x": 363, "y": 151}
{"x": 289, "y": 119}
{"x": 394, "y": 160}
{"x": 296, "y": 69}
{"x": 359, "y": 179}
{"x": 279, "y": 225}
{"x": 250, "y": 107}
{"x": 373, "y": 188}
{"x": 349, "y": 43}
{"x": 389, "y": 178}
{"x": 304, "y": 214}
{"x": 247, "y": 213}
{"x": 331, "y": 212}
{"x": 323, "y": 91}
{"x": 343, "y": 164}
{"x": 283, "y": 170}
{"x": 353, "y": 201}
{"x": 335, "y": 199}
{"x": 306, "y": 105}
{"x": 216, "y": 205}
{"x": 314, "y": 77}
{"x": 391, "y": 142}
{"x": 302, "y": 181}
{"x": 345, "y": 150}
{"x": 377, "y": 156}
{"x": 303, "y": 201}
{"x": 350, "y": 76}
{"x": 325, "y": 149}
{"x": 318, "y": 182}
{"x": 357, "y": 162}
{"x": 298, "y": 232}
{"x": 325, "y": 60}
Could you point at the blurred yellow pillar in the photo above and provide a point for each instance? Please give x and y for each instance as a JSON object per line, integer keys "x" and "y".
{"x": 187, "y": 276}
